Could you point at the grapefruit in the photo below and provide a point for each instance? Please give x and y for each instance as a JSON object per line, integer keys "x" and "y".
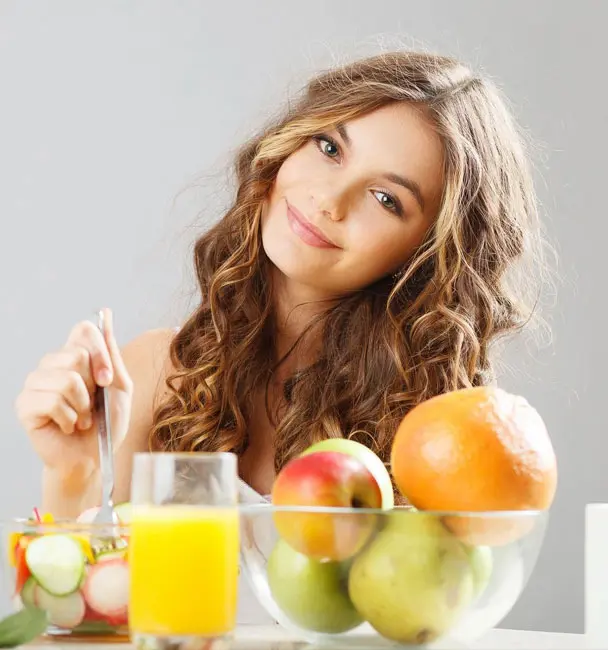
{"x": 476, "y": 450}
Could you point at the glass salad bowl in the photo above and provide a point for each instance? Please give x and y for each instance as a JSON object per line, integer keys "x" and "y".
{"x": 76, "y": 571}
{"x": 374, "y": 578}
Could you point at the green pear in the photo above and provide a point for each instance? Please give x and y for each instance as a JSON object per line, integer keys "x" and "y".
{"x": 414, "y": 580}
{"x": 313, "y": 594}
{"x": 482, "y": 564}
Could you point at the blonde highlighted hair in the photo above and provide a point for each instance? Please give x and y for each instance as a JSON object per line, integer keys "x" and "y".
{"x": 396, "y": 343}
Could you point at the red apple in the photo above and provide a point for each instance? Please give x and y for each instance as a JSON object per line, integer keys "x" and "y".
{"x": 326, "y": 480}
{"x": 367, "y": 457}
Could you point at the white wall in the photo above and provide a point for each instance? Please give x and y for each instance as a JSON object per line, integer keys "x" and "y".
{"x": 109, "y": 110}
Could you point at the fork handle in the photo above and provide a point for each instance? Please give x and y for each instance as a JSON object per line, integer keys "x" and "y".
{"x": 104, "y": 437}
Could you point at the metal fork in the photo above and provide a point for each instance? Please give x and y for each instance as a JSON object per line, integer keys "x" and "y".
{"x": 106, "y": 514}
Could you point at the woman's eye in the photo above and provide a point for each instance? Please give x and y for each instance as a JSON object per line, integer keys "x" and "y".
{"x": 327, "y": 146}
{"x": 389, "y": 202}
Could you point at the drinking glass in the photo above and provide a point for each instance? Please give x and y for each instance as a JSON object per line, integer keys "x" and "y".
{"x": 184, "y": 548}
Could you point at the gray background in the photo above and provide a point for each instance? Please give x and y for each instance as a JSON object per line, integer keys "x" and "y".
{"x": 117, "y": 120}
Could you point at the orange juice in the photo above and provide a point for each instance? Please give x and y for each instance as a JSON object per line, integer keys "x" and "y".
{"x": 184, "y": 570}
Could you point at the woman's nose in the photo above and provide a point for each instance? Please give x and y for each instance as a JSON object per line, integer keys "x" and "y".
{"x": 328, "y": 204}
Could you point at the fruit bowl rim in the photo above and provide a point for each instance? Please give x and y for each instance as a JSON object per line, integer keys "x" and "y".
{"x": 469, "y": 514}
{"x": 70, "y": 526}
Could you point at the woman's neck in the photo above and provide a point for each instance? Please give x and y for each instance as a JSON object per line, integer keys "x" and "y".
{"x": 296, "y": 307}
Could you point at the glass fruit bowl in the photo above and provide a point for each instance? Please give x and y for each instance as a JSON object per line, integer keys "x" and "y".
{"x": 370, "y": 578}
{"x": 76, "y": 572}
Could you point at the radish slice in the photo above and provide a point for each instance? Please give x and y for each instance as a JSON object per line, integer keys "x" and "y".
{"x": 87, "y": 516}
{"x": 118, "y": 621}
{"x": 63, "y": 611}
{"x": 106, "y": 589}
{"x": 91, "y": 615}
{"x": 122, "y": 510}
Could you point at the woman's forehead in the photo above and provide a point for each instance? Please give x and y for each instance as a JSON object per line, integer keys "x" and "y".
{"x": 399, "y": 139}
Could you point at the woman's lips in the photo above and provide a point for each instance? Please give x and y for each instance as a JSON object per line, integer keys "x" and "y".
{"x": 306, "y": 231}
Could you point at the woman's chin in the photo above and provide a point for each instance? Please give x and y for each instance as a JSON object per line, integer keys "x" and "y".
{"x": 298, "y": 274}
{"x": 302, "y": 265}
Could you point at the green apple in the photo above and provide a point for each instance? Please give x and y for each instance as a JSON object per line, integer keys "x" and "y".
{"x": 367, "y": 457}
{"x": 414, "y": 581}
{"x": 313, "y": 594}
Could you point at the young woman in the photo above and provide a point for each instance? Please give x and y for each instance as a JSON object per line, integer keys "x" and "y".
{"x": 361, "y": 269}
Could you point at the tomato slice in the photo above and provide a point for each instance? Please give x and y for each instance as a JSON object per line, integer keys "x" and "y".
{"x": 22, "y": 570}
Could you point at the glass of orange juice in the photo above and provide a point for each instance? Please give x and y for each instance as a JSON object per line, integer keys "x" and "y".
{"x": 184, "y": 548}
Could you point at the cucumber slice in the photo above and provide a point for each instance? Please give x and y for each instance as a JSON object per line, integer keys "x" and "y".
{"x": 123, "y": 511}
{"x": 27, "y": 593}
{"x": 116, "y": 554}
{"x": 57, "y": 563}
{"x": 63, "y": 611}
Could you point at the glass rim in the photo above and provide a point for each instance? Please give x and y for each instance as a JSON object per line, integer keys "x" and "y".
{"x": 402, "y": 510}
{"x": 64, "y": 524}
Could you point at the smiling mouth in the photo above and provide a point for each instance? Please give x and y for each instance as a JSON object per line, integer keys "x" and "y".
{"x": 306, "y": 231}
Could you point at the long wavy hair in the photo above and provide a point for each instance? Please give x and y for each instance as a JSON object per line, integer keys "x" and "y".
{"x": 384, "y": 349}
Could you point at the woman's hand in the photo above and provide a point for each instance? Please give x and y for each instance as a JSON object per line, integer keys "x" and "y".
{"x": 56, "y": 403}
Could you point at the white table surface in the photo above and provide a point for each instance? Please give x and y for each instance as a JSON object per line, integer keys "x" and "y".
{"x": 257, "y": 637}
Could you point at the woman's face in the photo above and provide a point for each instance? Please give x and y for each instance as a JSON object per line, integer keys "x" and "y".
{"x": 351, "y": 205}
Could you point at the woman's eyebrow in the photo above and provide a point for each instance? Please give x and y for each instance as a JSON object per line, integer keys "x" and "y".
{"x": 341, "y": 129}
{"x": 407, "y": 183}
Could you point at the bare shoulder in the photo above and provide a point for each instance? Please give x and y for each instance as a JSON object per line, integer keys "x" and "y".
{"x": 149, "y": 345}
{"x": 148, "y": 353}
{"x": 148, "y": 363}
